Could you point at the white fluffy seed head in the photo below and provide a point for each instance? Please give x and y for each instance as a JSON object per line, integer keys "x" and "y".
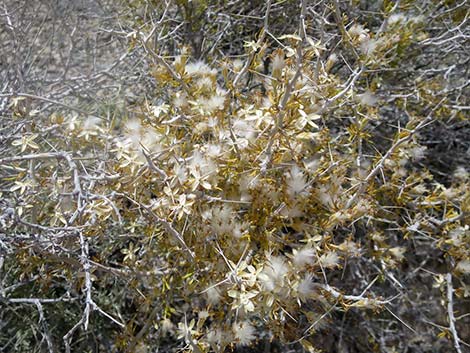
{"x": 463, "y": 267}
{"x": 214, "y": 103}
{"x": 198, "y": 68}
{"x": 303, "y": 257}
{"x": 213, "y": 295}
{"x": 278, "y": 266}
{"x": 167, "y": 326}
{"x": 395, "y": 18}
{"x": 368, "y": 46}
{"x": 350, "y": 248}
{"x": 357, "y": 30}
{"x": 329, "y": 259}
{"x": 272, "y": 276}
{"x": 305, "y": 288}
{"x": 214, "y": 337}
{"x": 91, "y": 123}
{"x": 278, "y": 62}
{"x": 461, "y": 173}
{"x": 367, "y": 98}
{"x": 244, "y": 333}
{"x": 296, "y": 182}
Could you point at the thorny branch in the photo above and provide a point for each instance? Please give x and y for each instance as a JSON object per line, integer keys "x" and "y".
{"x": 279, "y": 119}
{"x": 259, "y": 44}
{"x": 450, "y": 313}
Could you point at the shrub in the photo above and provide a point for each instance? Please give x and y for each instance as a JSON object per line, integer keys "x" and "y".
{"x": 244, "y": 200}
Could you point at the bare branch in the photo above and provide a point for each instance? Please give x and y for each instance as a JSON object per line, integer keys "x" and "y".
{"x": 450, "y": 313}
